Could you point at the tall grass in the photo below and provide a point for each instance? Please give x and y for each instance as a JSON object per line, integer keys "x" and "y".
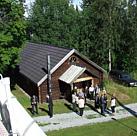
{"x": 124, "y": 94}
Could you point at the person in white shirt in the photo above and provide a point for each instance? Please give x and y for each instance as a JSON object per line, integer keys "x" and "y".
{"x": 113, "y": 104}
{"x": 91, "y": 92}
{"x": 74, "y": 101}
{"x": 81, "y": 105}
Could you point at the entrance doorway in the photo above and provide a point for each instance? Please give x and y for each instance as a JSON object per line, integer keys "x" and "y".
{"x": 65, "y": 91}
{"x": 83, "y": 84}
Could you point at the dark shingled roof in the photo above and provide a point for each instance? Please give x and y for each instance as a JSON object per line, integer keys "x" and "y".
{"x": 33, "y": 62}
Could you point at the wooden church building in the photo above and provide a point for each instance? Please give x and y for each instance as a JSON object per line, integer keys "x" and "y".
{"x": 69, "y": 68}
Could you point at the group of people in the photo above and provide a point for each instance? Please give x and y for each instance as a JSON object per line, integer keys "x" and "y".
{"x": 101, "y": 101}
{"x": 79, "y": 97}
{"x": 93, "y": 91}
{"x": 78, "y": 100}
{"x": 100, "y": 98}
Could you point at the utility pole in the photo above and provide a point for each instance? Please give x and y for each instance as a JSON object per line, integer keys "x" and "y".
{"x": 50, "y": 102}
{"x": 110, "y": 37}
{"x": 49, "y": 76}
{"x": 109, "y": 56}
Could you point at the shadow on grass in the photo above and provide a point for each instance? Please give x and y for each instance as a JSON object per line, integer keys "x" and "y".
{"x": 93, "y": 108}
{"x": 30, "y": 110}
{"x": 39, "y": 111}
{"x": 124, "y": 125}
{"x": 127, "y": 108}
{"x": 44, "y": 110}
{"x": 68, "y": 106}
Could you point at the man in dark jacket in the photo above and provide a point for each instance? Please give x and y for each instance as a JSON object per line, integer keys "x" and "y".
{"x": 34, "y": 104}
{"x": 102, "y": 104}
{"x": 97, "y": 101}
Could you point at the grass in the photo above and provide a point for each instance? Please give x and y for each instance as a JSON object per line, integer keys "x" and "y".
{"x": 91, "y": 116}
{"x": 124, "y": 94}
{"x": 42, "y": 124}
{"x": 22, "y": 98}
{"x": 60, "y": 106}
{"x": 124, "y": 127}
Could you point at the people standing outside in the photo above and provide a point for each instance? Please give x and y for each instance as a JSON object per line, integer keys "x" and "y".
{"x": 113, "y": 104}
{"x": 96, "y": 90}
{"x": 34, "y": 104}
{"x": 102, "y": 104}
{"x": 50, "y": 105}
{"x": 81, "y": 93}
{"x": 81, "y": 105}
{"x": 91, "y": 92}
{"x": 86, "y": 93}
{"x": 105, "y": 101}
{"x": 104, "y": 90}
{"x": 74, "y": 101}
{"x": 75, "y": 89}
{"x": 97, "y": 101}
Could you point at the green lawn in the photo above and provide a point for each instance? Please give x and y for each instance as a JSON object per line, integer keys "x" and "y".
{"x": 124, "y": 94}
{"x": 60, "y": 106}
{"x": 124, "y": 127}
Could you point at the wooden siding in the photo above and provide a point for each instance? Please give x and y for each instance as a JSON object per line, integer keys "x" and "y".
{"x": 55, "y": 77}
{"x": 27, "y": 85}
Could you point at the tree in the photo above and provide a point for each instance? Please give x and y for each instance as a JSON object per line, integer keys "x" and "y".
{"x": 12, "y": 32}
{"x": 100, "y": 31}
{"x": 54, "y": 22}
{"x": 110, "y": 27}
{"x": 128, "y": 42}
{"x": 105, "y": 30}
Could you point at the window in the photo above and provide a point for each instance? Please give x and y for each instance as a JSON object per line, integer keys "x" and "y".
{"x": 72, "y": 60}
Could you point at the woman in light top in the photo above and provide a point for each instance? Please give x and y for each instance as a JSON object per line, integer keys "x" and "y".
{"x": 113, "y": 104}
{"x": 81, "y": 105}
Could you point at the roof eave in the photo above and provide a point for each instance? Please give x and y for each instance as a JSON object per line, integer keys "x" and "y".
{"x": 64, "y": 59}
{"x": 91, "y": 62}
{"x": 56, "y": 67}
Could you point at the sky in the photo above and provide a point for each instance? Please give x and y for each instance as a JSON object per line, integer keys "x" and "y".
{"x": 28, "y": 2}
{"x": 76, "y": 2}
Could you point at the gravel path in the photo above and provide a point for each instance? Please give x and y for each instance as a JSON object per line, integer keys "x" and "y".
{"x": 66, "y": 120}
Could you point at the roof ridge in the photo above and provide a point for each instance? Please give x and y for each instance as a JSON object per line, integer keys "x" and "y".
{"x": 47, "y": 44}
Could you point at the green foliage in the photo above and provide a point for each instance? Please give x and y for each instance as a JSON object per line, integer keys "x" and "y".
{"x": 128, "y": 42}
{"x": 110, "y": 24}
{"x": 100, "y": 31}
{"x": 12, "y": 32}
{"x": 54, "y": 22}
{"x": 102, "y": 25}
